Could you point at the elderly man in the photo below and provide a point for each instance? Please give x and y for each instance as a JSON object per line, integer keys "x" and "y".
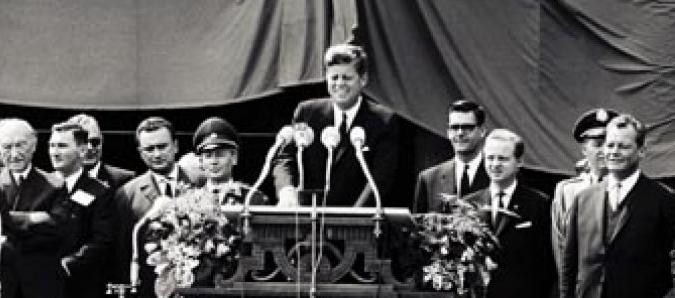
{"x": 31, "y": 265}
{"x": 589, "y": 132}
{"x": 158, "y": 146}
{"x": 111, "y": 175}
{"x": 88, "y": 215}
{"x": 347, "y": 107}
{"x": 465, "y": 172}
{"x": 621, "y": 230}
{"x": 520, "y": 218}
{"x": 217, "y": 145}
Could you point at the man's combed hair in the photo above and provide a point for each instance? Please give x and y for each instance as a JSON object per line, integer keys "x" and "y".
{"x": 155, "y": 123}
{"x": 79, "y": 134}
{"x": 464, "y": 106}
{"x": 624, "y": 121}
{"x": 344, "y": 54}
{"x": 502, "y": 134}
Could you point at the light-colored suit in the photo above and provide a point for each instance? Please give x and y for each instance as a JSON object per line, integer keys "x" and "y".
{"x": 633, "y": 259}
{"x": 565, "y": 192}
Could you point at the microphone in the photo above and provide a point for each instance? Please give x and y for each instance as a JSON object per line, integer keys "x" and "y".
{"x": 357, "y": 136}
{"x": 330, "y": 137}
{"x": 303, "y": 136}
{"x": 157, "y": 207}
{"x": 284, "y": 137}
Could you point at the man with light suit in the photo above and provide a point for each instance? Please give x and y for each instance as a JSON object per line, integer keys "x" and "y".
{"x": 465, "y": 172}
{"x": 347, "y": 107}
{"x": 158, "y": 146}
{"x": 520, "y": 218}
{"x": 589, "y": 132}
{"x": 621, "y": 230}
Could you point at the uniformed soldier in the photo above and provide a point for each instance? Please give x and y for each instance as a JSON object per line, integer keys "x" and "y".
{"x": 216, "y": 144}
{"x": 589, "y": 132}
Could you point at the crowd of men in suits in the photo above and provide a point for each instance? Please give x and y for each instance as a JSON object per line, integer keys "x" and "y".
{"x": 606, "y": 233}
{"x": 67, "y": 233}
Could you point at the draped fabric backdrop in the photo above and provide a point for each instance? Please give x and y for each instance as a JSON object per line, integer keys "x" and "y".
{"x": 535, "y": 64}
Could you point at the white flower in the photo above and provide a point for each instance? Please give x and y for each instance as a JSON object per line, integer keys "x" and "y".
{"x": 150, "y": 247}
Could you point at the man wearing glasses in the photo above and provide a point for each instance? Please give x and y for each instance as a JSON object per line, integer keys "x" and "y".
{"x": 465, "y": 172}
{"x": 113, "y": 176}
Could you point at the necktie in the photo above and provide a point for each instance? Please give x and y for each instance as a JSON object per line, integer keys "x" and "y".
{"x": 497, "y": 204}
{"x": 167, "y": 189}
{"x": 464, "y": 182}
{"x": 343, "y": 127}
{"x": 614, "y": 195}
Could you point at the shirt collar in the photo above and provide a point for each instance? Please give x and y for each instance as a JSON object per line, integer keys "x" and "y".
{"x": 351, "y": 113}
{"x": 171, "y": 177}
{"x": 72, "y": 179}
{"x": 473, "y": 167}
{"x": 210, "y": 186}
{"x": 23, "y": 174}
{"x": 508, "y": 192}
{"x": 93, "y": 172}
{"x": 626, "y": 184}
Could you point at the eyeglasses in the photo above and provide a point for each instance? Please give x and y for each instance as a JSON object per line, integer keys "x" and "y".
{"x": 466, "y": 127}
{"x": 94, "y": 142}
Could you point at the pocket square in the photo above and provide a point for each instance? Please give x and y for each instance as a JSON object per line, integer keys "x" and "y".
{"x": 82, "y": 198}
{"x": 524, "y": 225}
{"x": 365, "y": 149}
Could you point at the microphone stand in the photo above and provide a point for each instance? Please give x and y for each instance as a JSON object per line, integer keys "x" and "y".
{"x": 378, "y": 217}
{"x": 121, "y": 289}
{"x": 317, "y": 260}
{"x": 246, "y": 214}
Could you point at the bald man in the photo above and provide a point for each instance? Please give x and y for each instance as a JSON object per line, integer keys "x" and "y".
{"x": 30, "y": 265}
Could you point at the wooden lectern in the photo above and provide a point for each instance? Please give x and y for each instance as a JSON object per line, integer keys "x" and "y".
{"x": 276, "y": 256}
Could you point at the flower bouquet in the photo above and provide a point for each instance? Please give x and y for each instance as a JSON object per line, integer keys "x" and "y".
{"x": 458, "y": 245}
{"x": 190, "y": 241}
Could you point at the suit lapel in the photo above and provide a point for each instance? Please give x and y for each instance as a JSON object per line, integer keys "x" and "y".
{"x": 597, "y": 206}
{"x": 345, "y": 143}
{"x": 626, "y": 211}
{"x": 9, "y": 186}
{"x": 104, "y": 175}
{"x": 148, "y": 187}
{"x": 481, "y": 178}
{"x": 504, "y": 220}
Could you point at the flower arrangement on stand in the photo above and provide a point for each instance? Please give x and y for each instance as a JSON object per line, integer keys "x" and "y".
{"x": 190, "y": 241}
{"x": 458, "y": 245}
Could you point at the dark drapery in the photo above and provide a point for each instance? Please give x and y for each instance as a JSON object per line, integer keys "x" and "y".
{"x": 144, "y": 54}
{"x": 535, "y": 64}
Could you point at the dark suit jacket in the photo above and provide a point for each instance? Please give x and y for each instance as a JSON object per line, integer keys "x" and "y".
{"x": 113, "y": 176}
{"x": 133, "y": 200}
{"x": 88, "y": 237}
{"x": 32, "y": 248}
{"x": 524, "y": 260}
{"x": 635, "y": 262}
{"x": 441, "y": 179}
{"x": 347, "y": 179}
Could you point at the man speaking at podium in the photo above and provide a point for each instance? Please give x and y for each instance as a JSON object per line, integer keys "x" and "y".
{"x": 346, "y": 75}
